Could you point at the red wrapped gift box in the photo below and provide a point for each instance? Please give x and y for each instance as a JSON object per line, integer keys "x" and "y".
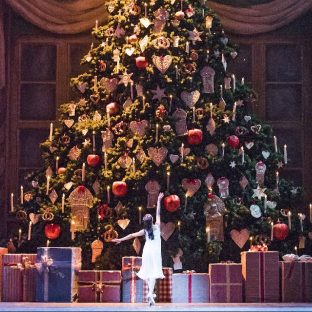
{"x": 99, "y": 286}
{"x": 19, "y": 276}
{"x": 261, "y": 276}
{"x": 190, "y": 287}
{"x": 296, "y": 281}
{"x": 2, "y": 252}
{"x": 164, "y": 287}
{"x": 226, "y": 283}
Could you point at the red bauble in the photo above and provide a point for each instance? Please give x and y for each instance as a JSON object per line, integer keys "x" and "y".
{"x": 112, "y": 108}
{"x": 93, "y": 160}
{"x": 194, "y": 137}
{"x": 280, "y": 231}
{"x": 141, "y": 62}
{"x": 120, "y": 188}
{"x": 233, "y": 141}
{"x": 52, "y": 230}
{"x": 61, "y": 170}
{"x": 172, "y": 203}
{"x": 179, "y": 15}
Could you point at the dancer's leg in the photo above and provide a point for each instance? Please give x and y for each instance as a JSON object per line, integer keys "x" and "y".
{"x": 151, "y": 286}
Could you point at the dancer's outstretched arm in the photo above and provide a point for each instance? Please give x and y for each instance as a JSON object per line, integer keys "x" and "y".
{"x": 130, "y": 236}
{"x": 160, "y": 196}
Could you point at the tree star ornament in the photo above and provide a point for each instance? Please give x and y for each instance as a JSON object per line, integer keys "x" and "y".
{"x": 194, "y": 36}
{"x": 226, "y": 119}
{"x": 125, "y": 79}
{"x": 158, "y": 93}
{"x": 233, "y": 164}
{"x": 86, "y": 143}
{"x": 258, "y": 192}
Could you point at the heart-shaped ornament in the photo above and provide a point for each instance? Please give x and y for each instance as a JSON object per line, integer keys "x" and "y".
{"x": 145, "y": 22}
{"x": 256, "y": 129}
{"x": 143, "y": 43}
{"x": 247, "y": 118}
{"x": 166, "y": 230}
{"x": 234, "y": 54}
{"x": 174, "y": 158}
{"x": 52, "y": 149}
{"x": 84, "y": 131}
{"x": 95, "y": 98}
{"x": 124, "y": 161}
{"x": 69, "y": 122}
{"x": 68, "y": 185}
{"x": 240, "y": 237}
{"x": 157, "y": 155}
{"x": 34, "y": 218}
{"x": 138, "y": 127}
{"x": 224, "y": 40}
{"x": 191, "y": 186}
{"x": 265, "y": 154}
{"x": 127, "y": 104}
{"x": 271, "y": 204}
{"x": 186, "y": 150}
{"x": 130, "y": 143}
{"x": 123, "y": 223}
{"x": 109, "y": 85}
{"x": 82, "y": 87}
{"x": 190, "y": 98}
{"x": 162, "y": 63}
{"x": 249, "y": 145}
{"x": 130, "y": 51}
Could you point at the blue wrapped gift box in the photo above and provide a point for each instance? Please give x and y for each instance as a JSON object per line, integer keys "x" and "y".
{"x": 57, "y": 273}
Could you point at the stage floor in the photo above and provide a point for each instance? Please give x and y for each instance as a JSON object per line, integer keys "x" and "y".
{"x": 211, "y": 307}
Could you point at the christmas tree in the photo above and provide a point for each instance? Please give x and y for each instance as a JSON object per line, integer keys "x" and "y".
{"x": 158, "y": 110}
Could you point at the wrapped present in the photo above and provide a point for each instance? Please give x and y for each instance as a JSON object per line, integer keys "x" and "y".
{"x": 2, "y": 252}
{"x": 296, "y": 280}
{"x": 99, "y": 286}
{"x": 163, "y": 287}
{"x": 194, "y": 286}
{"x": 226, "y": 282}
{"x": 19, "y": 276}
{"x": 261, "y": 276}
{"x": 132, "y": 286}
{"x": 57, "y": 278}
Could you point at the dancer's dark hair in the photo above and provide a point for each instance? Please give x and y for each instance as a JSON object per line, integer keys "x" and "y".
{"x": 148, "y": 225}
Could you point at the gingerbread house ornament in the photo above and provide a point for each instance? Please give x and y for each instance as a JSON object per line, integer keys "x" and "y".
{"x": 207, "y": 73}
{"x": 80, "y": 200}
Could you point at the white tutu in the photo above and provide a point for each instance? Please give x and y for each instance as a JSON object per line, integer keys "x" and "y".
{"x": 151, "y": 257}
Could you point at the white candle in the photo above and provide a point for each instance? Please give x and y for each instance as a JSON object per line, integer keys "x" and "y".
{"x": 179, "y": 225}
{"x": 12, "y": 202}
{"x": 243, "y": 81}
{"x": 310, "y": 206}
{"x": 108, "y": 194}
{"x": 22, "y": 195}
{"x": 265, "y": 202}
{"x": 234, "y": 82}
{"x": 19, "y": 234}
{"x": 243, "y": 154}
{"x": 108, "y": 118}
{"x": 133, "y": 165}
{"x": 182, "y": 152}
{"x": 95, "y": 84}
{"x": 223, "y": 146}
{"x": 57, "y": 163}
{"x": 275, "y": 143}
{"x": 181, "y": 5}
{"x": 72, "y": 230}
{"x": 234, "y": 111}
{"x": 170, "y": 103}
{"x": 177, "y": 72}
{"x": 83, "y": 172}
{"x": 118, "y": 61}
{"x": 207, "y": 56}
{"x": 105, "y": 161}
{"x": 285, "y": 154}
{"x": 296, "y": 250}
{"x": 203, "y": 13}
{"x": 63, "y": 203}
{"x": 194, "y": 116}
{"x": 168, "y": 180}
{"x": 143, "y": 99}
{"x": 96, "y": 25}
{"x": 272, "y": 226}
{"x": 185, "y": 202}
{"x": 289, "y": 219}
{"x": 145, "y": 9}
{"x": 208, "y": 233}
{"x": 277, "y": 178}
{"x": 131, "y": 90}
{"x": 51, "y": 132}
{"x": 29, "y": 230}
{"x": 157, "y": 133}
{"x": 210, "y": 104}
{"x": 300, "y": 216}
{"x": 187, "y": 47}
{"x": 140, "y": 215}
{"x": 221, "y": 91}
{"x": 48, "y": 185}
{"x": 93, "y": 141}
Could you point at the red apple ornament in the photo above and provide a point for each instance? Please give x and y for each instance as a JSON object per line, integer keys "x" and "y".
{"x": 52, "y": 230}
{"x": 280, "y": 231}
{"x": 141, "y": 62}
{"x": 112, "y": 108}
{"x": 194, "y": 137}
{"x": 233, "y": 141}
{"x": 61, "y": 170}
{"x": 172, "y": 203}
{"x": 93, "y": 160}
{"x": 179, "y": 15}
{"x": 120, "y": 188}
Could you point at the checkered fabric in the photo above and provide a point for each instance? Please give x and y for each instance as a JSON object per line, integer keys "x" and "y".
{"x": 164, "y": 287}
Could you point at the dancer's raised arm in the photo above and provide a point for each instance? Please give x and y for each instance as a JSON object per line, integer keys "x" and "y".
{"x": 160, "y": 196}
{"x": 130, "y": 236}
